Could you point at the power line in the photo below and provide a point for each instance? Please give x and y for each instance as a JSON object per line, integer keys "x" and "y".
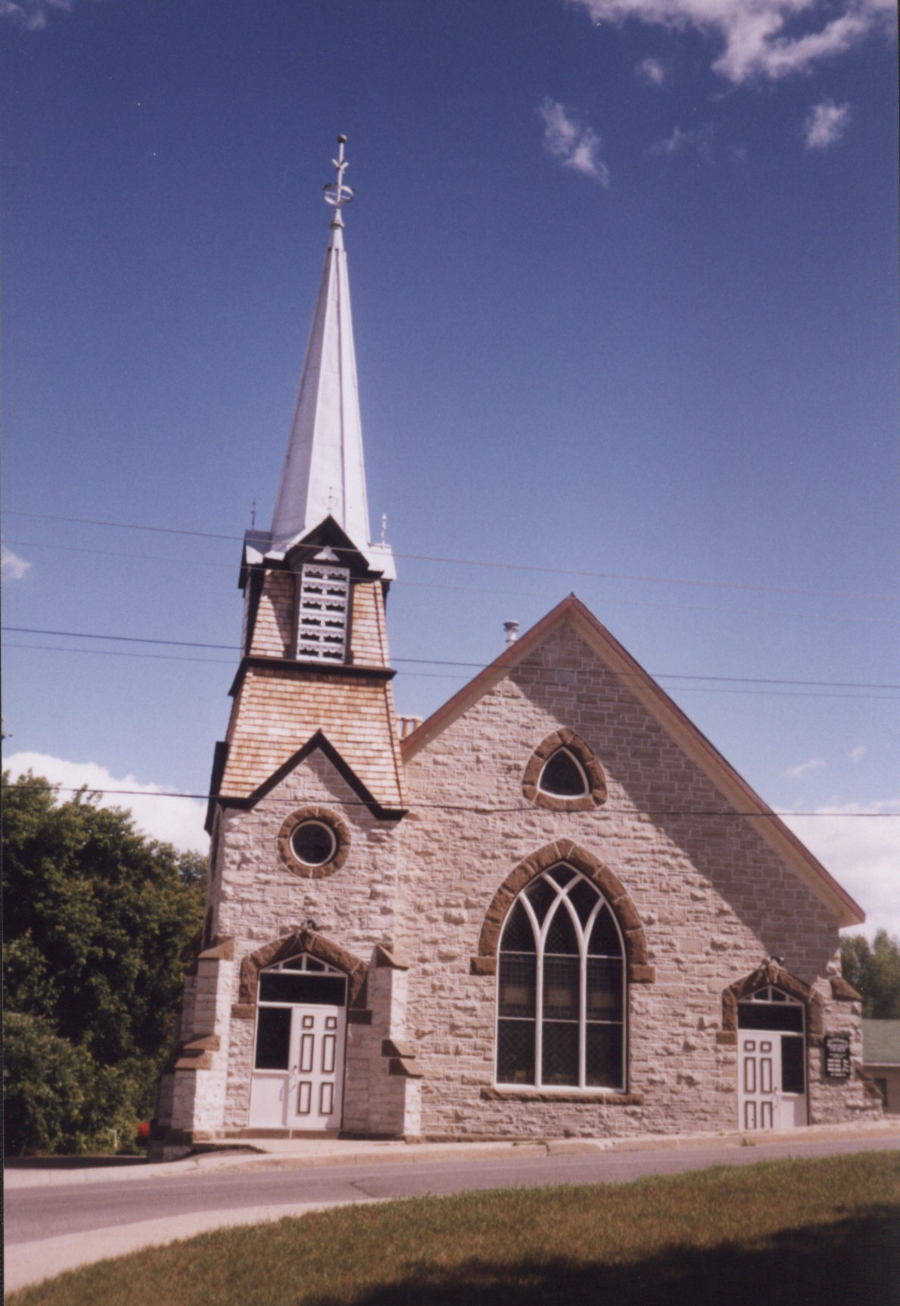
{"x": 730, "y": 609}
{"x": 117, "y": 553}
{"x": 470, "y": 808}
{"x": 123, "y": 653}
{"x": 479, "y": 666}
{"x": 500, "y": 565}
{"x": 445, "y": 675}
{"x": 125, "y": 639}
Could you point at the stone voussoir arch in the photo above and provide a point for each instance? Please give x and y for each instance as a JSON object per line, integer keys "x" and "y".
{"x": 292, "y": 945}
{"x": 566, "y": 740}
{"x": 774, "y": 974}
{"x": 618, "y": 898}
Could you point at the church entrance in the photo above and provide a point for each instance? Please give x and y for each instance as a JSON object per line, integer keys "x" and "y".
{"x": 771, "y": 1061}
{"x": 298, "y": 1073}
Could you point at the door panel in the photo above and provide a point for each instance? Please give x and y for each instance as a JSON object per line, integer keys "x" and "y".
{"x": 308, "y": 1092}
{"x": 762, "y": 1100}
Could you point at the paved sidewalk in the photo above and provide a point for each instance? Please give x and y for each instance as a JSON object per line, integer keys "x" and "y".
{"x": 230, "y": 1154}
{"x": 27, "y": 1263}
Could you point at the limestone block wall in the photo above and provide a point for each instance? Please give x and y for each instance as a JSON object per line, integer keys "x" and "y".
{"x": 215, "y": 981}
{"x": 375, "y": 1099}
{"x": 257, "y": 899}
{"x": 714, "y": 898}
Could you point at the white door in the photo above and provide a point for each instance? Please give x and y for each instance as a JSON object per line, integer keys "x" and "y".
{"x": 307, "y": 1092}
{"x": 762, "y": 1061}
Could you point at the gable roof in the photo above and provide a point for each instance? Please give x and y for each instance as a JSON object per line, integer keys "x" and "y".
{"x": 673, "y": 721}
{"x": 278, "y": 703}
{"x": 320, "y": 742}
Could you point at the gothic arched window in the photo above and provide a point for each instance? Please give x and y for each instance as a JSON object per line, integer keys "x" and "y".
{"x": 561, "y": 987}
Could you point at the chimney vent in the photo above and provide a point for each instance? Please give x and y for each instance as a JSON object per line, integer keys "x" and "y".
{"x": 512, "y": 632}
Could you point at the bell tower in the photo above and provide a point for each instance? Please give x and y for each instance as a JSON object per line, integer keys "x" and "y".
{"x": 305, "y": 797}
{"x": 314, "y": 653}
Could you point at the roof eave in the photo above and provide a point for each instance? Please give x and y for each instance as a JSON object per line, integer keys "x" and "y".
{"x": 733, "y": 787}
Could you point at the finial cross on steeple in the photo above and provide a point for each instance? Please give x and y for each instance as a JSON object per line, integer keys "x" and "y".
{"x": 336, "y": 193}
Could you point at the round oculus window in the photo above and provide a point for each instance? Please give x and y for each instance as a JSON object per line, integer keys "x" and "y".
{"x": 314, "y": 843}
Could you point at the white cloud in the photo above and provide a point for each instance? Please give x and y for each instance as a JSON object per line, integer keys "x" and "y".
{"x": 860, "y": 845}
{"x": 651, "y": 71}
{"x": 857, "y": 754}
{"x": 699, "y": 139}
{"x": 174, "y": 820}
{"x": 578, "y": 147}
{"x": 12, "y": 567}
{"x": 825, "y": 124}
{"x": 756, "y": 35}
{"x": 32, "y": 15}
{"x": 814, "y": 764}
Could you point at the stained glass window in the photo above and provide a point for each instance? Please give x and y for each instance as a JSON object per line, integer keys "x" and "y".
{"x": 561, "y": 987}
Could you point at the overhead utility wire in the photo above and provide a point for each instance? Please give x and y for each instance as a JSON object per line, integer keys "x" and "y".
{"x": 480, "y": 666}
{"x": 477, "y": 562}
{"x": 476, "y": 808}
{"x": 444, "y": 675}
{"x": 796, "y": 615}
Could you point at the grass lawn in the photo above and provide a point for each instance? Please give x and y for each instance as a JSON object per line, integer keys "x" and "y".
{"x": 788, "y": 1233}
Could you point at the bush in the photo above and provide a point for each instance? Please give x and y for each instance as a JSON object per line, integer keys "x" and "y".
{"x": 97, "y": 921}
{"x": 57, "y": 1099}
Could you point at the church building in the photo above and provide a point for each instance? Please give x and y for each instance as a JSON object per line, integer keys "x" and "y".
{"x": 551, "y": 908}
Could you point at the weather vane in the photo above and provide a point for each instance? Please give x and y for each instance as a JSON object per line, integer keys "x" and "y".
{"x": 336, "y": 193}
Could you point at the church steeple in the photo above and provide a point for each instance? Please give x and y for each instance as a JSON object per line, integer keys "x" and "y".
{"x": 323, "y": 473}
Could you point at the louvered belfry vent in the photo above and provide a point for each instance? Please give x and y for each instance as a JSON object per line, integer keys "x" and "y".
{"x": 322, "y": 616}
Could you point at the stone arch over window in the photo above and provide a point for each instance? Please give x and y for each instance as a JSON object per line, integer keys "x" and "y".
{"x": 638, "y": 971}
{"x": 564, "y": 775}
{"x": 771, "y": 974}
{"x": 561, "y": 996}
{"x": 292, "y": 945}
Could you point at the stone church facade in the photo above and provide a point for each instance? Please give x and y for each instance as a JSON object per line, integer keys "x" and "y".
{"x": 550, "y": 908}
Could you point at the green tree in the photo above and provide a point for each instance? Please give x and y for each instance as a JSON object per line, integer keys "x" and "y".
{"x": 874, "y": 971}
{"x": 97, "y": 917}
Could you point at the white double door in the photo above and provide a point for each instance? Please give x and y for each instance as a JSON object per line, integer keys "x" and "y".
{"x": 308, "y": 1092}
{"x": 762, "y": 1100}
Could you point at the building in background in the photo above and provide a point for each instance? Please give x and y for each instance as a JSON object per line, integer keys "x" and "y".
{"x": 881, "y": 1059}
{"x": 550, "y": 908}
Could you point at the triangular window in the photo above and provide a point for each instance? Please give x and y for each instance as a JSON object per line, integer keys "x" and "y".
{"x": 563, "y": 777}
{"x": 564, "y": 774}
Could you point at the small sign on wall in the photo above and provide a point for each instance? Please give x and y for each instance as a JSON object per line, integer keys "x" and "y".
{"x": 837, "y": 1056}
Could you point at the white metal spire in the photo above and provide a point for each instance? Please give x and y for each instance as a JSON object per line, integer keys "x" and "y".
{"x": 323, "y": 473}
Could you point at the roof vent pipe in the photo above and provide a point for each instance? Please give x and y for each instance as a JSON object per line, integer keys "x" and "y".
{"x": 512, "y": 632}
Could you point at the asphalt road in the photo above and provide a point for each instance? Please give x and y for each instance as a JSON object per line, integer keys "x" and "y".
{"x": 50, "y": 1212}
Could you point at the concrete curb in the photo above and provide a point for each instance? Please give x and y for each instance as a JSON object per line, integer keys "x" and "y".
{"x": 334, "y": 1152}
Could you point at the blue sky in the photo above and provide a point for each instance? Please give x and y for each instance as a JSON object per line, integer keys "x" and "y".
{"x": 624, "y": 279}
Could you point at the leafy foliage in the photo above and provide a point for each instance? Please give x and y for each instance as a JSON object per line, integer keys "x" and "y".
{"x": 97, "y": 917}
{"x": 874, "y": 971}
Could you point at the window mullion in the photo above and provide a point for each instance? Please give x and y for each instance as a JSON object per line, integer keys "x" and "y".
{"x": 582, "y": 1008}
{"x": 539, "y": 1012}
